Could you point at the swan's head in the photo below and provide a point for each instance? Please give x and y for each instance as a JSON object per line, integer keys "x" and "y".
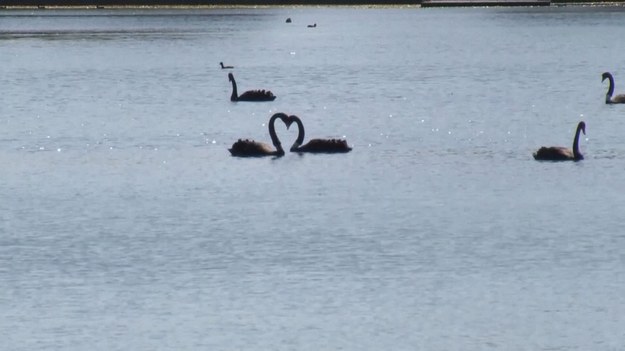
{"x": 230, "y": 77}
{"x": 605, "y": 75}
{"x": 288, "y": 121}
{"x": 582, "y": 127}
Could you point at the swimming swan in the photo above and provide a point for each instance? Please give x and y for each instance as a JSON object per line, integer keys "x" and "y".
{"x": 250, "y": 95}
{"x": 558, "y": 153}
{"x": 328, "y": 146}
{"x": 618, "y": 99}
{"x": 251, "y": 148}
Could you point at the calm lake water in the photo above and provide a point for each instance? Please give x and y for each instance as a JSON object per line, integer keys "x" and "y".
{"x": 125, "y": 224}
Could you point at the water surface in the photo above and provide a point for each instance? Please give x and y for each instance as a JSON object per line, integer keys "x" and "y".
{"x": 126, "y": 224}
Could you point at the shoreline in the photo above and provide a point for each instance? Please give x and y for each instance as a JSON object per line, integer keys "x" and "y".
{"x": 43, "y": 5}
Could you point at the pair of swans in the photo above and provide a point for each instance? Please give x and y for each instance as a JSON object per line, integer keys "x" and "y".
{"x": 559, "y": 153}
{"x": 251, "y": 148}
{"x": 250, "y": 95}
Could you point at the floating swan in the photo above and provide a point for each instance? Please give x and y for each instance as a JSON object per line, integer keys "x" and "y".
{"x": 250, "y": 95}
{"x": 618, "y": 99}
{"x": 251, "y": 148}
{"x": 558, "y": 153}
{"x": 315, "y": 145}
{"x": 225, "y": 67}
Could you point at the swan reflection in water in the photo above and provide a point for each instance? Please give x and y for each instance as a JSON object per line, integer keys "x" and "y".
{"x": 559, "y": 153}
{"x": 251, "y": 148}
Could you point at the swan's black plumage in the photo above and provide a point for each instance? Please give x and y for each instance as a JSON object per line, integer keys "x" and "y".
{"x": 559, "y": 153}
{"x": 251, "y": 148}
{"x": 609, "y": 99}
{"x": 250, "y": 95}
{"x": 327, "y": 146}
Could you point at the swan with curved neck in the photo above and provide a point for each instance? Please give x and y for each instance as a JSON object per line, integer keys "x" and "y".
{"x": 328, "y": 146}
{"x": 225, "y": 67}
{"x": 251, "y": 148}
{"x": 250, "y": 95}
{"x": 558, "y": 153}
{"x": 609, "y": 99}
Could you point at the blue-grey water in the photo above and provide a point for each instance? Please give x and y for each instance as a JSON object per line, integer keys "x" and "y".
{"x": 125, "y": 224}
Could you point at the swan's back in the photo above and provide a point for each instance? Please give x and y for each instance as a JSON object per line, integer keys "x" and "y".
{"x": 325, "y": 146}
{"x": 555, "y": 153}
{"x": 618, "y": 99}
{"x": 250, "y": 148}
{"x": 257, "y": 95}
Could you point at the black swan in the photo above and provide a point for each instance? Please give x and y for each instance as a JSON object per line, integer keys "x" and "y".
{"x": 251, "y": 148}
{"x": 558, "y": 153}
{"x": 250, "y": 95}
{"x": 328, "y": 146}
{"x": 618, "y": 99}
{"x": 225, "y": 67}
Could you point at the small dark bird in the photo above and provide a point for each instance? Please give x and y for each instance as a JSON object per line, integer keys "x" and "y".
{"x": 225, "y": 67}
{"x": 312, "y": 25}
{"x": 288, "y": 20}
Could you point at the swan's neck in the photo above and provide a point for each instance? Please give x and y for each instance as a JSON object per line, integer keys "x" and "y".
{"x": 235, "y": 95}
{"x": 608, "y": 95}
{"x": 576, "y": 154}
{"x": 300, "y": 133}
{"x": 274, "y": 137}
